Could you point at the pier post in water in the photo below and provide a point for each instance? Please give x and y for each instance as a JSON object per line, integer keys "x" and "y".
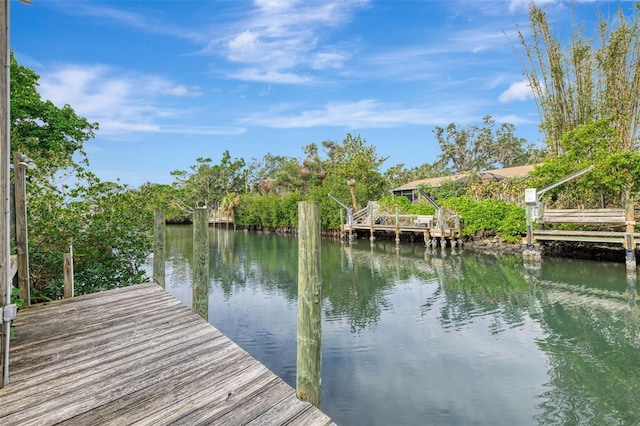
{"x": 200, "y": 286}
{"x": 397, "y": 229}
{"x": 630, "y": 245}
{"x": 309, "y": 358}
{"x": 371, "y": 222}
{"x": 158, "y": 248}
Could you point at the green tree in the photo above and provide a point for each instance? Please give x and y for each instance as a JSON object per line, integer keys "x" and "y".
{"x": 108, "y": 224}
{"x": 585, "y": 81}
{"x": 398, "y": 175}
{"x": 475, "y": 148}
{"x": 51, "y": 136}
{"x": 208, "y": 184}
{"x": 351, "y": 164}
{"x": 614, "y": 178}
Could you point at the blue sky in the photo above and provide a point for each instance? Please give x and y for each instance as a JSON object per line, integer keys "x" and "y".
{"x": 170, "y": 81}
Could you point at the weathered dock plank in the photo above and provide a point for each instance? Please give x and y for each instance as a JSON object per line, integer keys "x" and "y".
{"x": 136, "y": 355}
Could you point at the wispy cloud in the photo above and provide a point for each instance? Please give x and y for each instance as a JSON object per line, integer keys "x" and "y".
{"x": 147, "y": 22}
{"x": 270, "y": 76}
{"x": 287, "y": 38}
{"x": 121, "y": 102}
{"x": 519, "y": 5}
{"x": 367, "y": 113}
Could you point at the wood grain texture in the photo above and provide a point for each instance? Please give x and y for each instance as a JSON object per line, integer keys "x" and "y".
{"x": 136, "y": 355}
{"x": 309, "y": 335}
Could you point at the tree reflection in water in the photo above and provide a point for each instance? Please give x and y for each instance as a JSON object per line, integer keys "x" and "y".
{"x": 585, "y": 313}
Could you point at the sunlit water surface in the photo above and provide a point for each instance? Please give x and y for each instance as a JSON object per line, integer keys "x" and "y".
{"x": 417, "y": 336}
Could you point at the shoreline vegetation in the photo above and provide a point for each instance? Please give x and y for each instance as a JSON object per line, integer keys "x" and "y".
{"x": 482, "y": 243}
{"x": 109, "y": 224}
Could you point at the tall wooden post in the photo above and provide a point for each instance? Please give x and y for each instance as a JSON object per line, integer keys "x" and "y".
{"x": 630, "y": 244}
{"x": 158, "y": 248}
{"x": 22, "y": 241}
{"x": 5, "y": 158}
{"x": 309, "y": 358}
{"x": 397, "y": 228}
{"x": 371, "y": 220}
{"x": 68, "y": 274}
{"x": 200, "y": 286}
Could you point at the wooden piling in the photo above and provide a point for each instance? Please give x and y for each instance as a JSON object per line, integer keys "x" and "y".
{"x": 200, "y": 286}
{"x": 158, "y": 249}
{"x": 22, "y": 241}
{"x": 371, "y": 222}
{"x": 309, "y": 360}
{"x": 397, "y": 228}
{"x": 68, "y": 274}
{"x": 630, "y": 244}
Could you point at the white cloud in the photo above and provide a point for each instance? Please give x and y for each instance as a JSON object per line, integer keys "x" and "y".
{"x": 519, "y": 5}
{"x": 326, "y": 60}
{"x": 276, "y": 77}
{"x": 147, "y": 22}
{"x": 119, "y": 102}
{"x": 367, "y": 113}
{"x": 286, "y": 38}
{"x": 518, "y": 91}
{"x": 515, "y": 119}
{"x": 274, "y": 5}
{"x": 245, "y": 47}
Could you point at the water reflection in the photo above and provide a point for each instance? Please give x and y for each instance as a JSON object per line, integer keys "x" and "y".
{"x": 434, "y": 336}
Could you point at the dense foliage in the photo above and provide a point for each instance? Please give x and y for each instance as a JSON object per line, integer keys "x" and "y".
{"x": 489, "y": 217}
{"x": 474, "y": 148}
{"x": 585, "y": 80}
{"x": 108, "y": 224}
{"x": 588, "y": 95}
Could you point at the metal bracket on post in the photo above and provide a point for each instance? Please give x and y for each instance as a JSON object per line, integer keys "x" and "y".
{"x": 9, "y": 313}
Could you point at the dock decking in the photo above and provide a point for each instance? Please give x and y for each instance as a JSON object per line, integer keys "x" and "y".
{"x": 136, "y": 355}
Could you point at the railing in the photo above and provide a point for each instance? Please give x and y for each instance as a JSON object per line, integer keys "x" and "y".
{"x": 583, "y": 217}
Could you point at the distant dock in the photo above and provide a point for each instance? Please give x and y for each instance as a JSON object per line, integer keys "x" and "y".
{"x": 138, "y": 355}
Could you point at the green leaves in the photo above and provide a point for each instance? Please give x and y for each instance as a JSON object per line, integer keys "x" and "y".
{"x": 207, "y": 184}
{"x": 49, "y": 135}
{"x": 474, "y": 148}
{"x": 109, "y": 226}
{"x": 585, "y": 80}
{"x": 489, "y": 217}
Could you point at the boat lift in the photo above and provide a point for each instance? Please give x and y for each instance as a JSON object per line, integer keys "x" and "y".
{"x": 440, "y": 222}
{"x": 532, "y": 200}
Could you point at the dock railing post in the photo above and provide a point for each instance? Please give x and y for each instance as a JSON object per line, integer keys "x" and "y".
{"x": 371, "y": 221}
{"x": 200, "y": 287}
{"x": 397, "y": 228}
{"x": 158, "y": 249}
{"x": 22, "y": 242}
{"x": 68, "y": 274}
{"x": 630, "y": 244}
{"x": 309, "y": 340}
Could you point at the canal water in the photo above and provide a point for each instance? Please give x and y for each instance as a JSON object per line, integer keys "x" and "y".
{"x": 422, "y": 336}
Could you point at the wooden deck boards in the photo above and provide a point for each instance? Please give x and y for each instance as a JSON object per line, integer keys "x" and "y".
{"x": 583, "y": 236}
{"x": 136, "y": 355}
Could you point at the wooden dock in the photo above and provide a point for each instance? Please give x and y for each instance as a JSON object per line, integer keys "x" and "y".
{"x": 136, "y": 355}
{"x": 433, "y": 228}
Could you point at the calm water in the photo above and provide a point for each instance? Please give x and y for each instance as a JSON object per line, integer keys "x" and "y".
{"x": 421, "y": 336}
